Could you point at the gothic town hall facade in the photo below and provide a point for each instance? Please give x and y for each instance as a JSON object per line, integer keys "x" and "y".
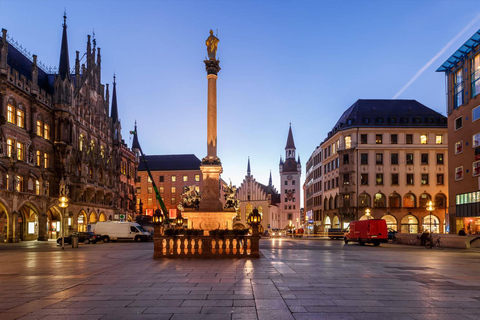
{"x": 54, "y": 126}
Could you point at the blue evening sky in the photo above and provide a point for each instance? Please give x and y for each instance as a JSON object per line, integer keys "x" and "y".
{"x": 302, "y": 62}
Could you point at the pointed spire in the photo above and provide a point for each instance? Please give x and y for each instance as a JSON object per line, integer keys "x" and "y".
{"x": 64, "y": 66}
{"x": 298, "y": 159}
{"x": 270, "y": 179}
{"x": 290, "y": 143}
{"x": 281, "y": 160}
{"x": 135, "y": 144}
{"x": 114, "y": 113}
{"x": 248, "y": 168}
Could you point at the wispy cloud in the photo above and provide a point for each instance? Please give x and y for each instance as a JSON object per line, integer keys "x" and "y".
{"x": 442, "y": 51}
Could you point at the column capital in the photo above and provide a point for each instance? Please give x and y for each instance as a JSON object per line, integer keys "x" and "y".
{"x": 212, "y": 66}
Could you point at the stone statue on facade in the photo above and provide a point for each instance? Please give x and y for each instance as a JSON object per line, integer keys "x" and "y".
{"x": 31, "y": 155}
{"x": 212, "y": 45}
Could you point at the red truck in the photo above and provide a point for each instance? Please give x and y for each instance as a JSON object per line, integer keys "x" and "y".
{"x": 367, "y": 231}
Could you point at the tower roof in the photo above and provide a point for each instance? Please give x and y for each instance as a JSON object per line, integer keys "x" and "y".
{"x": 290, "y": 143}
{"x": 135, "y": 144}
{"x": 114, "y": 113}
{"x": 64, "y": 66}
{"x": 248, "y": 168}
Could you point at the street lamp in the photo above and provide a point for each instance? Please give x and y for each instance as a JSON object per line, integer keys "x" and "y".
{"x": 430, "y": 208}
{"x": 63, "y": 204}
{"x": 367, "y": 213}
{"x": 254, "y": 219}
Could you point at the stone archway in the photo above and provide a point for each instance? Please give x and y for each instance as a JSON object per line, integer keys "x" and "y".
{"x": 4, "y": 223}
{"x": 28, "y": 224}
{"x": 54, "y": 222}
{"x": 102, "y": 217}
{"x": 82, "y": 221}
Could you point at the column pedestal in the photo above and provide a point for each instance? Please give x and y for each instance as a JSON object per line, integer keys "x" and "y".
{"x": 211, "y": 188}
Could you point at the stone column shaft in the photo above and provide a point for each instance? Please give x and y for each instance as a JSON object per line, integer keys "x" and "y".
{"x": 212, "y": 117}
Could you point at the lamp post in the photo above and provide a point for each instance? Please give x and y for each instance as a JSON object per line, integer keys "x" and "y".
{"x": 367, "y": 213}
{"x": 63, "y": 204}
{"x": 430, "y": 208}
{"x": 254, "y": 219}
{"x": 158, "y": 220}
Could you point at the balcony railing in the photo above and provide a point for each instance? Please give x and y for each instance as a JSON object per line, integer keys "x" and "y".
{"x": 343, "y": 146}
{"x": 206, "y": 246}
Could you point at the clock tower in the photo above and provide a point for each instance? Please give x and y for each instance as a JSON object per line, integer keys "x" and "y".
{"x": 290, "y": 186}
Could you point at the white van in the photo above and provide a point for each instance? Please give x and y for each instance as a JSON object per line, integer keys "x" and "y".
{"x": 113, "y": 230}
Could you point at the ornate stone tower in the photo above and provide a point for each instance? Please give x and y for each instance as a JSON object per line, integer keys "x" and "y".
{"x": 290, "y": 172}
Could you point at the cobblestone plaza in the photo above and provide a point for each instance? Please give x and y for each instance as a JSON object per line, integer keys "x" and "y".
{"x": 293, "y": 279}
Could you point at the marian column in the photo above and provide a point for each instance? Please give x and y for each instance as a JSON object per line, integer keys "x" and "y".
{"x": 211, "y": 166}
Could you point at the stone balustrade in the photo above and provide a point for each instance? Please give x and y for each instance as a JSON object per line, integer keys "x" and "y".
{"x": 184, "y": 246}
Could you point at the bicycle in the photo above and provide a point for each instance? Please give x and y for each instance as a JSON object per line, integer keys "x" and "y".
{"x": 437, "y": 244}
{"x": 415, "y": 241}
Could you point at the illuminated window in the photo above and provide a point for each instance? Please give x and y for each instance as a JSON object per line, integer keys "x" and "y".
{"x": 423, "y": 139}
{"x": 378, "y": 139}
{"x": 39, "y": 158}
{"x": 185, "y": 178}
{"x": 173, "y": 189}
{"x": 149, "y": 180}
{"x": 92, "y": 145}
{"x": 172, "y": 200}
{"x": 20, "y": 118}
{"x": 37, "y": 187}
{"x": 149, "y": 201}
{"x": 46, "y": 131}
{"x": 439, "y": 139}
{"x": 19, "y": 186}
{"x": 197, "y": 177}
{"x": 459, "y": 173}
{"x": 174, "y": 178}
{"x": 149, "y": 190}
{"x": 348, "y": 142}
{"x": 9, "y": 147}
{"x": 11, "y": 114}
{"x": 476, "y": 75}
{"x": 39, "y": 128}
{"x": 20, "y": 151}
{"x": 102, "y": 152}
{"x": 197, "y": 188}
{"x": 45, "y": 160}
{"x": 161, "y": 189}
{"x": 7, "y": 186}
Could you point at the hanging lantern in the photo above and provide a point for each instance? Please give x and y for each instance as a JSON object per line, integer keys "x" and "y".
{"x": 254, "y": 218}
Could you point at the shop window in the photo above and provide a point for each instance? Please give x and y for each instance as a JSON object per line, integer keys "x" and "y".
{"x": 409, "y": 224}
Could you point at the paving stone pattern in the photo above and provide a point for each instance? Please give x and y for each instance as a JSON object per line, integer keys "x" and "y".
{"x": 294, "y": 279}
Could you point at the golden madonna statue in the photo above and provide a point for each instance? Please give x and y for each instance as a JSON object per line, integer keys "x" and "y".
{"x": 212, "y": 44}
